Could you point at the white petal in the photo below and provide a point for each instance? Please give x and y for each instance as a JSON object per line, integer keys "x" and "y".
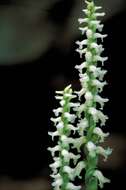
{"x": 98, "y": 115}
{"x": 101, "y": 59}
{"x": 55, "y": 120}
{"x": 55, "y": 166}
{"x": 71, "y": 117}
{"x": 81, "y": 66}
{"x": 60, "y": 92}
{"x": 81, "y": 20}
{"x": 98, "y": 174}
{"x": 100, "y": 133}
{"x": 78, "y": 142}
{"x": 53, "y": 134}
{"x": 104, "y": 152}
{"x": 69, "y": 171}
{"x": 54, "y": 149}
{"x": 57, "y": 111}
{"x": 99, "y": 14}
{"x": 81, "y": 43}
{"x": 81, "y": 51}
{"x": 72, "y": 128}
{"x": 97, "y": 8}
{"x": 71, "y": 186}
{"x": 82, "y": 125}
{"x": 79, "y": 167}
{"x": 83, "y": 29}
{"x": 98, "y": 35}
{"x": 100, "y": 100}
{"x": 88, "y": 96}
{"x": 68, "y": 155}
{"x": 88, "y": 56}
{"x": 99, "y": 85}
{"x": 91, "y": 147}
{"x": 62, "y": 103}
{"x": 89, "y": 33}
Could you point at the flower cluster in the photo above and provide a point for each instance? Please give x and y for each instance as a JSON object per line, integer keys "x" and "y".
{"x": 91, "y": 78}
{"x": 63, "y": 174}
{"x": 87, "y": 113}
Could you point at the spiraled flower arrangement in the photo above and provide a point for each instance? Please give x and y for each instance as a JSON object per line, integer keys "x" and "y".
{"x": 79, "y": 118}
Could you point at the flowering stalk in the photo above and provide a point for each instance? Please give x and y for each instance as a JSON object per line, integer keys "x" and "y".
{"x": 63, "y": 174}
{"x": 91, "y": 79}
{"x": 88, "y": 114}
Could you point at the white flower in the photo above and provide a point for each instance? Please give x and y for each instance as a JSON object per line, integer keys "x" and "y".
{"x": 82, "y": 125}
{"x": 95, "y": 46}
{"x": 58, "y": 97}
{"x": 97, "y": 72}
{"x": 81, "y": 109}
{"x": 69, "y": 171}
{"x": 98, "y": 35}
{"x": 62, "y": 103}
{"x": 55, "y": 120}
{"x": 91, "y": 147}
{"x": 57, "y": 111}
{"x": 79, "y": 167}
{"x": 83, "y": 29}
{"x": 98, "y": 115}
{"x": 99, "y": 58}
{"x": 60, "y": 127}
{"x": 88, "y": 96}
{"x": 89, "y": 33}
{"x": 70, "y": 117}
{"x": 55, "y": 176}
{"x": 58, "y": 181}
{"x": 99, "y": 14}
{"x": 83, "y": 20}
{"x": 81, "y": 92}
{"x": 55, "y": 166}
{"x": 81, "y": 51}
{"x": 68, "y": 155}
{"x": 71, "y": 186}
{"x": 74, "y": 172}
{"x": 54, "y": 149}
{"x": 78, "y": 142}
{"x": 66, "y": 95}
{"x": 53, "y": 134}
{"x": 100, "y": 100}
{"x": 84, "y": 78}
{"x": 104, "y": 152}
{"x": 88, "y": 56}
{"x": 64, "y": 139}
{"x": 86, "y": 11}
{"x": 94, "y": 23}
{"x": 81, "y": 43}
{"x": 60, "y": 92}
{"x": 100, "y": 133}
{"x": 101, "y": 74}
{"x": 81, "y": 66}
{"x": 72, "y": 128}
{"x": 74, "y": 105}
{"x": 98, "y": 174}
{"x": 99, "y": 85}
{"x": 97, "y": 8}
{"x": 100, "y": 27}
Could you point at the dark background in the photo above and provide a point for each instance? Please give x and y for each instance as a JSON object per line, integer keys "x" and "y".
{"x": 28, "y": 82}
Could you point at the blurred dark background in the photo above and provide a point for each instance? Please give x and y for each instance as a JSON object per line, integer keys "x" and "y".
{"x": 37, "y": 56}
